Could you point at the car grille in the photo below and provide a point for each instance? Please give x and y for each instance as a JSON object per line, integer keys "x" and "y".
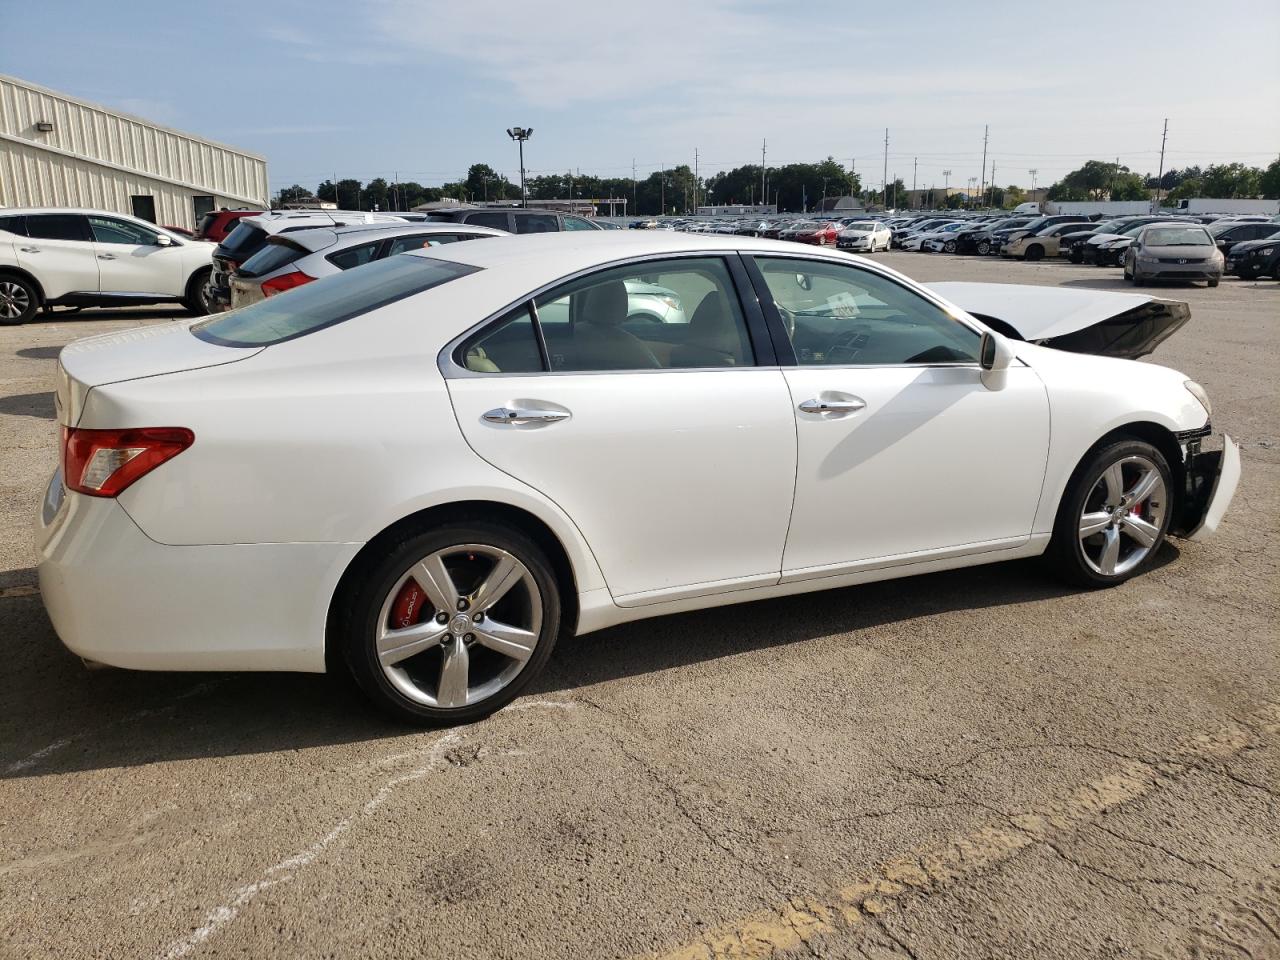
{"x": 1181, "y": 274}
{"x": 1183, "y": 259}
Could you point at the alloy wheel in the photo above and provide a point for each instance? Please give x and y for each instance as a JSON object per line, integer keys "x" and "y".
{"x": 1121, "y": 522}
{"x": 459, "y": 625}
{"x": 15, "y": 300}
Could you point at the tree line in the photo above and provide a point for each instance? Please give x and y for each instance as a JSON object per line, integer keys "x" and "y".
{"x": 794, "y": 186}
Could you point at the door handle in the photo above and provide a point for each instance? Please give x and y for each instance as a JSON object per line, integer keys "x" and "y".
{"x": 106, "y": 256}
{"x": 517, "y": 416}
{"x": 29, "y": 249}
{"x": 844, "y": 405}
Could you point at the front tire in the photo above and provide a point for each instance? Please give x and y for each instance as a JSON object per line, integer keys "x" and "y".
{"x": 1114, "y": 515}
{"x": 984, "y": 247}
{"x": 949, "y": 247}
{"x": 451, "y": 624}
{"x": 1214, "y": 282}
{"x": 1034, "y": 253}
{"x": 19, "y": 300}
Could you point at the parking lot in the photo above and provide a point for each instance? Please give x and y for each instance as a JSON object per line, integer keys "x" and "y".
{"x": 978, "y": 764}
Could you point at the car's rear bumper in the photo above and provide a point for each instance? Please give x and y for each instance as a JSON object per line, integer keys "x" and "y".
{"x": 117, "y": 597}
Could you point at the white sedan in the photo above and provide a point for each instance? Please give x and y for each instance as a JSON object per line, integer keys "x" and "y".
{"x": 865, "y": 235}
{"x": 427, "y": 469}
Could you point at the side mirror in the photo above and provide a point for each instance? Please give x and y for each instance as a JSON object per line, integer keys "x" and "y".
{"x": 803, "y": 281}
{"x": 994, "y": 356}
{"x": 163, "y": 241}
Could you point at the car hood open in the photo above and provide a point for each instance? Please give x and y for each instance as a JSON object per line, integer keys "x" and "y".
{"x": 1127, "y": 325}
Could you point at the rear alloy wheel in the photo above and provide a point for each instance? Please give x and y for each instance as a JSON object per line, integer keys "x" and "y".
{"x": 949, "y": 247}
{"x": 984, "y": 248}
{"x": 1114, "y": 515}
{"x": 453, "y": 624}
{"x": 18, "y": 301}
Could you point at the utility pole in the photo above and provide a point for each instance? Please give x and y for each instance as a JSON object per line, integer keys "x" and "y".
{"x": 763, "y": 144}
{"x": 884, "y": 183}
{"x": 992, "y": 201}
{"x": 946, "y": 185}
{"x": 1033, "y": 171}
{"x": 662, "y": 190}
{"x": 985, "y": 130}
{"x": 1160, "y": 176}
{"x": 635, "y": 209}
{"x": 914, "y": 162}
{"x": 695, "y": 180}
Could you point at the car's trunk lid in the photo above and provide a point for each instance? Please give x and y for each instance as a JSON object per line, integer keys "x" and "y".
{"x": 132, "y": 355}
{"x": 1126, "y": 325}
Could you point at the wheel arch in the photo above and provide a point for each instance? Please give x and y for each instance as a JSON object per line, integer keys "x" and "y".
{"x": 454, "y": 512}
{"x": 191, "y": 277}
{"x": 26, "y": 276}
{"x": 1156, "y": 434}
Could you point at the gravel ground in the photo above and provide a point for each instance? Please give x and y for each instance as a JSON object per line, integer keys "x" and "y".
{"x": 971, "y": 764}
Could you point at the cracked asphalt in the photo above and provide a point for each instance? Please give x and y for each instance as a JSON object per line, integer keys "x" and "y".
{"x": 976, "y": 764}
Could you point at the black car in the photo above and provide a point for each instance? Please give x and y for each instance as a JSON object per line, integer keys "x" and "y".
{"x": 997, "y": 234}
{"x": 1251, "y": 259}
{"x": 966, "y": 239}
{"x": 1227, "y": 235}
{"x": 1072, "y": 244}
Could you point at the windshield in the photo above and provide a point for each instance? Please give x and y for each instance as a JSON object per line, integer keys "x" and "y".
{"x": 326, "y": 302}
{"x": 1176, "y": 237}
{"x": 861, "y": 227}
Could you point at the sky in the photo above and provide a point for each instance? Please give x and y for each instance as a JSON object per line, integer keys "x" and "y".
{"x": 421, "y": 88}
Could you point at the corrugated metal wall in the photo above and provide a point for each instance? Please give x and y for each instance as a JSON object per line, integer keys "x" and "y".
{"x": 58, "y": 167}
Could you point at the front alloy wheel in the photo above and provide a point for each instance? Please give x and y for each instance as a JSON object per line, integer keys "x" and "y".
{"x": 1114, "y": 515}
{"x": 453, "y": 624}
{"x": 18, "y": 301}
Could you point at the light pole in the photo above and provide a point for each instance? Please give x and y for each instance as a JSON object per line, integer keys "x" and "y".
{"x": 946, "y": 186}
{"x": 1033, "y": 173}
{"x": 520, "y": 135}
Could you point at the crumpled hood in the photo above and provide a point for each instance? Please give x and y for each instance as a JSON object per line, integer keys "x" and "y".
{"x": 1127, "y": 325}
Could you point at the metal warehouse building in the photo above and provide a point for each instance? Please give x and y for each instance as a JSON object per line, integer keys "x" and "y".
{"x": 58, "y": 151}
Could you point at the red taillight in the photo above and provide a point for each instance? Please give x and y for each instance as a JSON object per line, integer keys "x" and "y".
{"x": 286, "y": 281}
{"x": 103, "y": 463}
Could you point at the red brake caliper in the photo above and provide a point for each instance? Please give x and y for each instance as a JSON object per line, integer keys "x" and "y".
{"x": 410, "y": 606}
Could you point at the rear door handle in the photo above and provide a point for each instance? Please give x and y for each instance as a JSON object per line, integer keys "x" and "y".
{"x": 106, "y": 256}
{"x": 844, "y": 404}
{"x": 518, "y": 416}
{"x": 29, "y": 249}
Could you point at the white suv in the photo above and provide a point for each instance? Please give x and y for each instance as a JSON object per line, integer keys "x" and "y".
{"x": 91, "y": 258}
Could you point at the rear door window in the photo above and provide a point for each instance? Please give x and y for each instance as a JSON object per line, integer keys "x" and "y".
{"x": 243, "y": 241}
{"x": 57, "y": 226}
{"x": 271, "y": 258}
{"x": 578, "y": 223}
{"x": 419, "y": 240}
{"x": 16, "y": 225}
{"x": 355, "y": 256}
{"x": 537, "y": 223}
{"x": 329, "y": 301}
{"x": 501, "y": 221}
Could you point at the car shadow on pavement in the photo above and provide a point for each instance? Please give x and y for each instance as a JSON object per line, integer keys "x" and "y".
{"x": 38, "y": 353}
{"x": 1121, "y": 284}
{"x": 38, "y": 405}
{"x": 57, "y": 717}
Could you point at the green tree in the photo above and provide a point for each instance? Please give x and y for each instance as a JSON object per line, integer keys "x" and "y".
{"x": 485, "y": 183}
{"x": 294, "y": 194}
{"x": 1188, "y": 188}
{"x": 347, "y": 194}
{"x": 1012, "y": 196}
{"x": 1099, "y": 180}
{"x": 375, "y": 195}
{"x": 1226, "y": 180}
{"x": 1269, "y": 182}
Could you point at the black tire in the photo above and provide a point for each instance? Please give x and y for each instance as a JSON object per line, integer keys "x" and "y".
{"x": 1077, "y": 256}
{"x": 19, "y": 300}
{"x": 1034, "y": 252}
{"x": 1247, "y": 274}
{"x": 359, "y": 611}
{"x": 949, "y": 247}
{"x": 984, "y": 247}
{"x": 195, "y": 300}
{"x": 1213, "y": 282}
{"x": 1066, "y": 550}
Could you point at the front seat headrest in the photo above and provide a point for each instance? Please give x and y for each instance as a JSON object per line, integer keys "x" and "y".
{"x": 604, "y": 304}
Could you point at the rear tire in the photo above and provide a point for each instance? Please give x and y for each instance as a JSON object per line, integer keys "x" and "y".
{"x": 19, "y": 300}
{"x": 1110, "y": 526}
{"x": 417, "y": 688}
{"x": 197, "y": 299}
{"x": 984, "y": 248}
{"x": 949, "y": 247}
{"x": 1213, "y": 283}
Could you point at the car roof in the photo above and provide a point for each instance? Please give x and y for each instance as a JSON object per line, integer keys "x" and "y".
{"x": 322, "y": 238}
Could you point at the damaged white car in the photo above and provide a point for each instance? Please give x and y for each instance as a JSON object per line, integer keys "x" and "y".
{"x": 427, "y": 469}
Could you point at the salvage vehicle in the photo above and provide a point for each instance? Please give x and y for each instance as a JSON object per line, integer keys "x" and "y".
{"x": 291, "y": 259}
{"x": 428, "y": 469}
{"x": 1037, "y": 246}
{"x": 1255, "y": 258}
{"x": 1168, "y": 252}
{"x": 61, "y": 257}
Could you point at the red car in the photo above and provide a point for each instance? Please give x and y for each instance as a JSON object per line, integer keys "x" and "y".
{"x": 816, "y": 232}
{"x": 215, "y": 225}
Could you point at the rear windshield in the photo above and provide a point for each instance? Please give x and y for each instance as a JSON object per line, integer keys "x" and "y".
{"x": 273, "y": 256}
{"x": 326, "y": 302}
{"x": 243, "y": 242}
